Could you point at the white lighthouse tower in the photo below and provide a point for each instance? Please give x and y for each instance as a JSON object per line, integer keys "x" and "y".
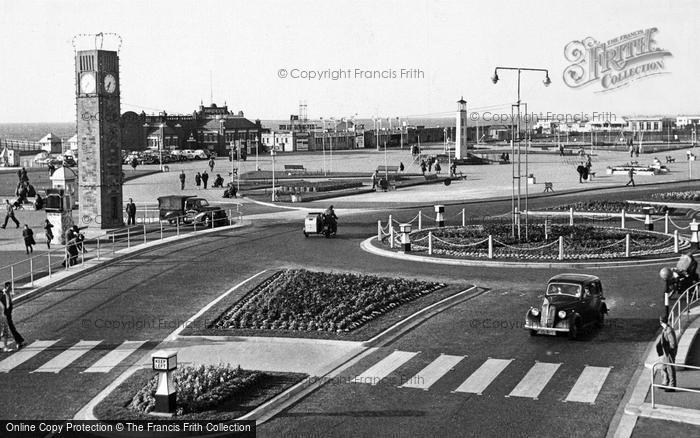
{"x": 461, "y": 131}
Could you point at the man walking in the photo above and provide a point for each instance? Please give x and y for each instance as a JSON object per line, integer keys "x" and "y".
{"x": 205, "y": 178}
{"x": 9, "y": 214}
{"x": 211, "y": 164}
{"x": 182, "y": 180}
{"x": 131, "y": 212}
{"x": 667, "y": 348}
{"x": 631, "y": 175}
{"x": 6, "y": 300}
{"x": 375, "y": 178}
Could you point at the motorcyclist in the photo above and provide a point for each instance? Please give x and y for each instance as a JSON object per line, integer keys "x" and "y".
{"x": 331, "y": 219}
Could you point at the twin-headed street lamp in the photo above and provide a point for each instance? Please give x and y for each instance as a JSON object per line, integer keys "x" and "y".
{"x": 515, "y": 210}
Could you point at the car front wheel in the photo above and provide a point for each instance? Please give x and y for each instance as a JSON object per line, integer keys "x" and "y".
{"x": 600, "y": 321}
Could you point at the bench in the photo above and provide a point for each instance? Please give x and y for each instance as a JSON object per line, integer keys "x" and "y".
{"x": 293, "y": 168}
{"x": 670, "y": 159}
{"x": 387, "y": 169}
{"x": 548, "y": 187}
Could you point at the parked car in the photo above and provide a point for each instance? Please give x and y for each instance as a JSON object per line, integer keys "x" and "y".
{"x": 189, "y": 210}
{"x": 69, "y": 161}
{"x": 177, "y": 155}
{"x": 572, "y": 303}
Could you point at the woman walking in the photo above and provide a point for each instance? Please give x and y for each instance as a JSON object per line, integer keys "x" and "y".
{"x": 28, "y": 235}
{"x": 49, "y": 233}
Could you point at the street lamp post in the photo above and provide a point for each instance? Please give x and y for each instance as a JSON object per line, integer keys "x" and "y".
{"x": 546, "y": 83}
{"x": 272, "y": 153}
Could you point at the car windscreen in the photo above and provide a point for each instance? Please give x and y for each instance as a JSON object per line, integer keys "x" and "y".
{"x": 570, "y": 289}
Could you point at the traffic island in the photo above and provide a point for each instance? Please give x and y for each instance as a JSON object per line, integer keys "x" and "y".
{"x": 297, "y": 303}
{"x": 213, "y": 393}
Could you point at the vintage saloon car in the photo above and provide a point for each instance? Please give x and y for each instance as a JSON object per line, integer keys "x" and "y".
{"x": 571, "y": 303}
{"x": 190, "y": 209}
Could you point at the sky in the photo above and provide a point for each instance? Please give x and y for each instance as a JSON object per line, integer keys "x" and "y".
{"x": 170, "y": 49}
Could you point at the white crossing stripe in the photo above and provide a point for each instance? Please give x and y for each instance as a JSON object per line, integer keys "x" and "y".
{"x": 114, "y": 357}
{"x": 433, "y": 372}
{"x": 588, "y": 384}
{"x": 384, "y": 367}
{"x": 64, "y": 359}
{"x": 535, "y": 380}
{"x": 482, "y": 377}
{"x": 24, "y": 355}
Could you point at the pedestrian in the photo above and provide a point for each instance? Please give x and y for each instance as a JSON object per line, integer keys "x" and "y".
{"x": 131, "y": 212}
{"x": 423, "y": 166}
{"x": 182, "y": 180}
{"x": 211, "y": 164}
{"x": 631, "y": 175}
{"x": 28, "y": 236}
{"x": 375, "y": 178}
{"x": 6, "y": 301}
{"x": 23, "y": 176}
{"x": 561, "y": 150}
{"x": 437, "y": 167}
{"x": 581, "y": 169}
{"x": 636, "y": 151}
{"x": 9, "y": 214}
{"x": 38, "y": 202}
{"x": 71, "y": 248}
{"x": 49, "y": 233}
{"x": 51, "y": 168}
{"x": 631, "y": 147}
{"x": 667, "y": 348}
{"x": 205, "y": 178}
{"x": 79, "y": 240}
{"x": 401, "y": 167}
{"x": 430, "y": 164}
{"x": 197, "y": 179}
{"x": 453, "y": 169}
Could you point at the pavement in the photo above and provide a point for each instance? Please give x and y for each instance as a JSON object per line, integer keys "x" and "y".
{"x": 316, "y": 357}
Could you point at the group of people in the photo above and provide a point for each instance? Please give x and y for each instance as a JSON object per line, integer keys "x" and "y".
{"x": 428, "y": 164}
{"x": 201, "y": 179}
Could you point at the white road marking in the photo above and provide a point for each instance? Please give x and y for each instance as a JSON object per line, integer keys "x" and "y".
{"x": 535, "y": 380}
{"x": 67, "y": 357}
{"x": 384, "y": 367}
{"x": 114, "y": 357}
{"x": 588, "y": 384}
{"x": 433, "y": 372}
{"x": 24, "y": 355}
{"x": 483, "y": 376}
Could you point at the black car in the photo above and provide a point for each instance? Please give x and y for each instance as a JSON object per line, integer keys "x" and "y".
{"x": 190, "y": 210}
{"x": 571, "y": 303}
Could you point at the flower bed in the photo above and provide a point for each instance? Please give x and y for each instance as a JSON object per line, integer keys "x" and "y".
{"x": 297, "y": 299}
{"x": 199, "y": 388}
{"x": 318, "y": 186}
{"x": 609, "y": 207}
{"x": 689, "y": 195}
{"x": 580, "y": 242}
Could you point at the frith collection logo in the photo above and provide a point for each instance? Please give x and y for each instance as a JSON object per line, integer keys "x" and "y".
{"x": 615, "y": 63}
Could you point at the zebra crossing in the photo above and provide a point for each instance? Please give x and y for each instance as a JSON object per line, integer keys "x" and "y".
{"x": 69, "y": 356}
{"x": 586, "y": 389}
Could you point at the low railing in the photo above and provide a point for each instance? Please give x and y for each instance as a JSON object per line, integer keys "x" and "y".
{"x": 52, "y": 261}
{"x": 676, "y": 388}
{"x": 682, "y": 306}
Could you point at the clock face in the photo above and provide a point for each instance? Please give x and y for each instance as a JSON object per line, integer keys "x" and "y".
{"x": 87, "y": 83}
{"x": 110, "y": 83}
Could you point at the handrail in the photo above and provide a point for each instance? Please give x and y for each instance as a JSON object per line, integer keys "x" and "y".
{"x": 692, "y": 295}
{"x": 677, "y": 388}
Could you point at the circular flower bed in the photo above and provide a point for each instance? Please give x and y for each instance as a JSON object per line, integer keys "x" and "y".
{"x": 297, "y": 299}
{"x": 199, "y": 388}
{"x": 609, "y": 207}
{"x": 690, "y": 195}
{"x": 580, "y": 242}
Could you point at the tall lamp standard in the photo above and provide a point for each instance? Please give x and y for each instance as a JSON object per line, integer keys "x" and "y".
{"x": 272, "y": 153}
{"x": 546, "y": 83}
{"x": 323, "y": 146}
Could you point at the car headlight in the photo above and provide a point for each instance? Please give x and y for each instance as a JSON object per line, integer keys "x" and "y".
{"x": 561, "y": 314}
{"x": 534, "y": 311}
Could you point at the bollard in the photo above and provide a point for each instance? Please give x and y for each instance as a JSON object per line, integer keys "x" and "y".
{"x": 675, "y": 241}
{"x": 212, "y": 220}
{"x": 113, "y": 243}
{"x": 561, "y": 247}
{"x": 490, "y": 246}
{"x": 379, "y": 231}
{"x": 547, "y": 227}
{"x": 165, "y": 362}
{"x": 694, "y": 238}
{"x": 12, "y": 278}
{"x": 31, "y": 271}
{"x": 623, "y": 215}
{"x": 420, "y": 220}
{"x": 405, "y": 238}
{"x": 666, "y": 223}
{"x": 48, "y": 255}
{"x": 571, "y": 216}
{"x": 144, "y": 232}
{"x": 391, "y": 236}
{"x": 627, "y": 245}
{"x": 391, "y": 221}
{"x": 67, "y": 259}
{"x": 128, "y": 237}
{"x": 161, "y": 230}
{"x": 464, "y": 218}
{"x": 439, "y": 218}
{"x": 430, "y": 243}
{"x": 648, "y": 223}
{"x": 82, "y": 254}
{"x": 177, "y": 226}
{"x": 98, "y": 248}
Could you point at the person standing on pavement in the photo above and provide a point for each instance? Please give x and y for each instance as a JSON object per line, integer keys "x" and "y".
{"x": 211, "y": 164}
{"x": 6, "y": 301}
{"x": 437, "y": 167}
{"x": 182, "y": 180}
{"x": 631, "y": 175}
{"x": 9, "y": 214}
{"x": 131, "y": 212}
{"x": 561, "y": 150}
{"x": 205, "y": 178}
{"x": 423, "y": 166}
{"x": 667, "y": 348}
{"x": 453, "y": 169}
{"x": 375, "y": 178}
{"x": 401, "y": 166}
{"x": 28, "y": 236}
{"x": 197, "y": 179}
{"x": 49, "y": 233}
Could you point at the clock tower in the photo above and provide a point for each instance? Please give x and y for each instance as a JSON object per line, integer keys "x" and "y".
{"x": 99, "y": 142}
